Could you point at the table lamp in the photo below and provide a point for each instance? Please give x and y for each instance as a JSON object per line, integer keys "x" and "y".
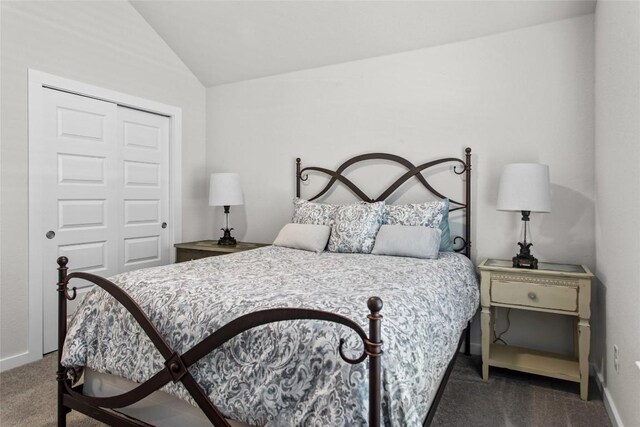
{"x": 225, "y": 190}
{"x": 524, "y": 187}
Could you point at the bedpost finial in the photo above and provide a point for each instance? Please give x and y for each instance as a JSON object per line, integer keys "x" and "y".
{"x": 62, "y": 261}
{"x": 298, "y": 160}
{"x": 374, "y": 304}
{"x": 467, "y": 150}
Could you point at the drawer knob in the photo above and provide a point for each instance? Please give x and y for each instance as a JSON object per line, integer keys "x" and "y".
{"x": 532, "y": 295}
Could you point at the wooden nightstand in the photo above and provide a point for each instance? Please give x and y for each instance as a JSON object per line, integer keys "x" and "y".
{"x": 206, "y": 248}
{"x": 552, "y": 288}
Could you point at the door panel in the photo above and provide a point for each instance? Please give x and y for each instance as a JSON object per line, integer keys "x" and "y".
{"x": 82, "y": 213}
{"x": 145, "y": 190}
{"x": 141, "y": 174}
{"x": 80, "y": 124}
{"x": 141, "y": 135}
{"x": 75, "y": 169}
{"x": 141, "y": 250}
{"x": 79, "y": 181}
{"x": 137, "y": 212}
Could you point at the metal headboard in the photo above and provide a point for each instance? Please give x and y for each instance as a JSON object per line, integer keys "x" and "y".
{"x": 412, "y": 170}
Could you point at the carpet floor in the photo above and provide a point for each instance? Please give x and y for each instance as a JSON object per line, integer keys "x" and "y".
{"x": 509, "y": 399}
{"x": 515, "y": 399}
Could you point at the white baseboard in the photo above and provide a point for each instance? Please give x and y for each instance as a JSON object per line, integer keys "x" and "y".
{"x": 17, "y": 360}
{"x": 609, "y": 405}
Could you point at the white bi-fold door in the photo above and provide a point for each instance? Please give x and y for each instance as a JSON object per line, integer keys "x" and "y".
{"x": 105, "y": 187}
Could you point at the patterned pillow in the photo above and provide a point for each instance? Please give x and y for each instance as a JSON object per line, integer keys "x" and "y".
{"x": 429, "y": 214}
{"x": 305, "y": 212}
{"x": 355, "y": 227}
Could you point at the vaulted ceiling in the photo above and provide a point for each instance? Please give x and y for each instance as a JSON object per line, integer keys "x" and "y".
{"x": 229, "y": 41}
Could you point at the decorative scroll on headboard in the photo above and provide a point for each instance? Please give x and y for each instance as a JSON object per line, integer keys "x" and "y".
{"x": 460, "y": 167}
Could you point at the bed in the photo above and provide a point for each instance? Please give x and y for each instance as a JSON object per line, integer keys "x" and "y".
{"x": 273, "y": 336}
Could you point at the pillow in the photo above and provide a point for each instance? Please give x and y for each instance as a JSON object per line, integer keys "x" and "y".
{"x": 429, "y": 214}
{"x": 305, "y": 212}
{"x": 308, "y": 237}
{"x": 355, "y": 227}
{"x": 409, "y": 241}
{"x": 445, "y": 239}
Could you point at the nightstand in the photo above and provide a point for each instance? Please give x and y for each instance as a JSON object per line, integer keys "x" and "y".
{"x": 206, "y": 248}
{"x": 552, "y": 288}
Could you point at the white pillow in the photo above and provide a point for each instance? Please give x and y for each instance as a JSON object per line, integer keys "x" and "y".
{"x": 308, "y": 237}
{"x": 409, "y": 241}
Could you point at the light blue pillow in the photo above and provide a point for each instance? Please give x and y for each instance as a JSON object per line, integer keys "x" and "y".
{"x": 445, "y": 237}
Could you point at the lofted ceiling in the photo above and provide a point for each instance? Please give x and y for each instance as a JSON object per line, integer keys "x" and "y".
{"x": 229, "y": 41}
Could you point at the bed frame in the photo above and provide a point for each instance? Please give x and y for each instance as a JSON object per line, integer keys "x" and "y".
{"x": 302, "y": 175}
{"x": 176, "y": 370}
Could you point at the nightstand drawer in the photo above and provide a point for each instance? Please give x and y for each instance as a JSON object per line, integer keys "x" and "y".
{"x": 535, "y": 295}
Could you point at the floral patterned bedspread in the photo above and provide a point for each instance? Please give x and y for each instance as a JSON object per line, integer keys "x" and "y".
{"x": 287, "y": 373}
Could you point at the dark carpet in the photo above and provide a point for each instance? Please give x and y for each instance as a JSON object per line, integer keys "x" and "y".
{"x": 515, "y": 399}
{"x": 509, "y": 399}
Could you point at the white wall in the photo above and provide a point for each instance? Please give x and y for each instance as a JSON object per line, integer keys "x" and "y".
{"x": 617, "y": 148}
{"x": 520, "y": 96}
{"x": 106, "y": 44}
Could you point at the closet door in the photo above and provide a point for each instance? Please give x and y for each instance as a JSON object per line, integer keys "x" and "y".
{"x": 81, "y": 188}
{"x": 144, "y": 210}
{"x": 105, "y": 180}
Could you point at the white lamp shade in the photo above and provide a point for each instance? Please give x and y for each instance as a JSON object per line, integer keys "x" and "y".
{"x": 225, "y": 190}
{"x": 524, "y": 187}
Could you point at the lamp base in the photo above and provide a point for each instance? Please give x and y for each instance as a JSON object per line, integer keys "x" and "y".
{"x": 529, "y": 262}
{"x": 226, "y": 239}
{"x": 524, "y": 259}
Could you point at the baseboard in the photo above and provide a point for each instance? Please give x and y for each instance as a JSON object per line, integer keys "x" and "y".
{"x": 609, "y": 405}
{"x": 476, "y": 348}
{"x": 17, "y": 360}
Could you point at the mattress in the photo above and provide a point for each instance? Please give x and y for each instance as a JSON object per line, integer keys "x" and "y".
{"x": 287, "y": 373}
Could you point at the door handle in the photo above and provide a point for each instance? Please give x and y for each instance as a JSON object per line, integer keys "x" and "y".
{"x": 50, "y": 234}
{"x": 164, "y": 225}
